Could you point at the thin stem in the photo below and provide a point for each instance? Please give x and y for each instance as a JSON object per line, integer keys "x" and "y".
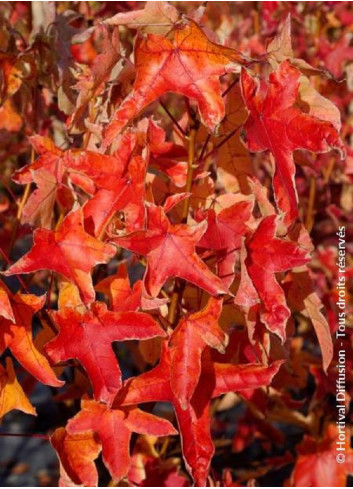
{"x": 23, "y": 201}
{"x": 228, "y": 89}
{"x": 328, "y": 171}
{"x": 207, "y": 140}
{"x": 175, "y": 122}
{"x": 191, "y": 161}
{"x": 8, "y": 261}
{"x": 8, "y": 188}
{"x": 27, "y": 435}
{"x": 204, "y": 147}
{"x": 256, "y": 19}
{"x": 173, "y": 315}
{"x": 210, "y": 153}
{"x": 50, "y": 289}
{"x": 102, "y": 229}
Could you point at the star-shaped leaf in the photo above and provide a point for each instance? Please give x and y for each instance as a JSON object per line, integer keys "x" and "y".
{"x": 188, "y": 341}
{"x": 190, "y": 64}
{"x": 88, "y": 337}
{"x": 69, "y": 251}
{"x": 267, "y": 255}
{"x": 125, "y": 193}
{"x": 224, "y": 233}
{"x": 90, "y": 83}
{"x": 49, "y": 172}
{"x": 277, "y": 124}
{"x": 119, "y": 183}
{"x": 114, "y": 428}
{"x": 194, "y": 421}
{"x": 170, "y": 252}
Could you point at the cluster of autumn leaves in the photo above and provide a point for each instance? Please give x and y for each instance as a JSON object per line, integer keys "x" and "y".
{"x": 137, "y": 190}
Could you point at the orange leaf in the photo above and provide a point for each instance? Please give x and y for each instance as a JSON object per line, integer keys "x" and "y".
{"x": 11, "y": 393}
{"x": 77, "y": 454}
{"x": 17, "y": 336}
{"x": 190, "y": 65}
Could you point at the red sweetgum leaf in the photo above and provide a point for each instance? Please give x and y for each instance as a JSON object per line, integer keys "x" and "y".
{"x": 272, "y": 107}
{"x": 337, "y": 55}
{"x": 157, "y": 140}
{"x": 194, "y": 421}
{"x": 127, "y": 194}
{"x": 124, "y": 298}
{"x": 187, "y": 342}
{"x": 117, "y": 288}
{"x": 51, "y": 159}
{"x": 267, "y": 255}
{"x": 115, "y": 182}
{"x": 317, "y": 466}
{"x": 149, "y": 470}
{"x": 189, "y": 65}
{"x": 223, "y": 235}
{"x": 170, "y": 252}
{"x": 88, "y": 337}
{"x": 14, "y": 70}
{"x": 167, "y": 157}
{"x": 119, "y": 182}
{"x": 172, "y": 200}
{"x": 113, "y": 428}
{"x": 69, "y": 251}
{"x": 246, "y": 295}
{"x": 280, "y": 49}
{"x": 39, "y": 209}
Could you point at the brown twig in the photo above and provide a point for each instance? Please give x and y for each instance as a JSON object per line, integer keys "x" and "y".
{"x": 191, "y": 161}
{"x": 27, "y": 435}
{"x": 8, "y": 188}
{"x": 173, "y": 313}
{"x": 8, "y": 261}
{"x": 219, "y": 145}
{"x": 175, "y": 122}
